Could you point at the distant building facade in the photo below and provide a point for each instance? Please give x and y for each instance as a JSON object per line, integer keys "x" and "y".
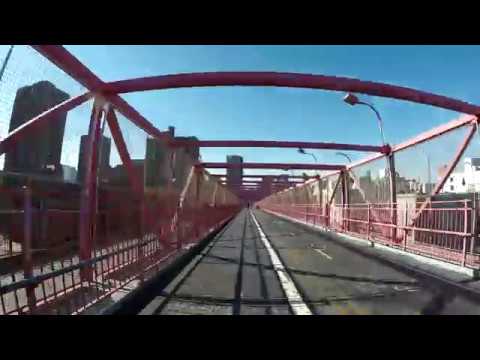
{"x": 40, "y": 151}
{"x": 184, "y": 159}
{"x": 118, "y": 176}
{"x": 69, "y": 174}
{"x": 466, "y": 181}
{"x": 234, "y": 175}
{"x": 104, "y": 159}
{"x": 169, "y": 165}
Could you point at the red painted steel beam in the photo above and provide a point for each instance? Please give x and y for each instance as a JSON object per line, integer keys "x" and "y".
{"x": 263, "y": 182}
{"x": 63, "y": 59}
{"x": 244, "y": 184}
{"x": 421, "y": 138}
{"x": 435, "y": 132}
{"x": 259, "y": 186}
{"x": 135, "y": 117}
{"x": 332, "y": 196}
{"x": 269, "y": 176}
{"x": 244, "y": 189}
{"x": 89, "y": 192}
{"x": 123, "y": 152}
{"x": 438, "y": 187}
{"x": 294, "y": 80}
{"x": 41, "y": 119}
{"x": 212, "y": 165}
{"x": 281, "y": 144}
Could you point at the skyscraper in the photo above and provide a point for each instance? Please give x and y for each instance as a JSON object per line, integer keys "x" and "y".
{"x": 40, "y": 151}
{"x": 103, "y": 161}
{"x": 166, "y": 164}
{"x": 234, "y": 175}
{"x": 158, "y": 166}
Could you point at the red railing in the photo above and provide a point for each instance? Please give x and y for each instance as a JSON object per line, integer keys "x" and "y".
{"x": 54, "y": 283}
{"x": 132, "y": 239}
{"x": 441, "y": 231}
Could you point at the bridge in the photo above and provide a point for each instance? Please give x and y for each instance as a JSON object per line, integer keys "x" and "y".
{"x": 163, "y": 234}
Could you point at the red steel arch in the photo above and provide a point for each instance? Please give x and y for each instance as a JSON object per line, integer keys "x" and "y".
{"x": 294, "y": 80}
{"x": 282, "y": 166}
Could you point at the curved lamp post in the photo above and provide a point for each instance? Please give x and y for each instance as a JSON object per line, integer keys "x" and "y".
{"x": 344, "y": 155}
{"x": 303, "y": 152}
{"x": 353, "y": 100}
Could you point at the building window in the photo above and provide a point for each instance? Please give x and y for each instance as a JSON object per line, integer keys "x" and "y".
{"x": 451, "y": 179}
{"x": 463, "y": 181}
{"x": 451, "y": 187}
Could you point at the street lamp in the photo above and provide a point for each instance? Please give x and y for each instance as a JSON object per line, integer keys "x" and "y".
{"x": 429, "y": 169}
{"x": 5, "y": 62}
{"x": 302, "y": 151}
{"x": 353, "y": 100}
{"x": 344, "y": 155}
{"x": 349, "y": 160}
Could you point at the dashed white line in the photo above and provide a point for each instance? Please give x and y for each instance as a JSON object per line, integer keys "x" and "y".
{"x": 323, "y": 253}
{"x": 293, "y": 295}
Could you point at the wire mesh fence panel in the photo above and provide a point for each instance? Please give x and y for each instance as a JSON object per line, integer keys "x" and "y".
{"x": 64, "y": 245}
{"x": 417, "y": 180}
{"x": 442, "y": 226}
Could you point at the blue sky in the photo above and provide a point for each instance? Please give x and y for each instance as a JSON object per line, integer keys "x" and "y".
{"x": 268, "y": 113}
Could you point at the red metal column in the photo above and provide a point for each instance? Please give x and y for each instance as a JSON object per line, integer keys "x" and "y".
{"x": 465, "y": 230}
{"x": 393, "y": 194}
{"x": 27, "y": 247}
{"x": 344, "y": 198}
{"x": 474, "y": 228}
{"x": 332, "y": 196}
{"x": 89, "y": 193}
{"x": 319, "y": 207}
{"x": 198, "y": 212}
{"x": 214, "y": 195}
{"x": 308, "y": 202}
{"x": 368, "y": 222}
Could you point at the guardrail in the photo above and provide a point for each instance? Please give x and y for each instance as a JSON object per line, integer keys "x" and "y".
{"x": 442, "y": 232}
{"x": 51, "y": 281}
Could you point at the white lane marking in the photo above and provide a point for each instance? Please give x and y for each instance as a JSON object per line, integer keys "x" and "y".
{"x": 294, "y": 298}
{"x": 323, "y": 253}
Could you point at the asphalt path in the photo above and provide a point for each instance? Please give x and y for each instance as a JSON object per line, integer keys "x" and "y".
{"x": 260, "y": 264}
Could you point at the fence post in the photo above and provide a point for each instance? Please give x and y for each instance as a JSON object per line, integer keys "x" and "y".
{"x": 465, "y": 229}
{"x": 327, "y": 216}
{"x": 141, "y": 238}
{"x": 474, "y": 224}
{"x": 346, "y": 199}
{"x": 198, "y": 210}
{"x": 27, "y": 247}
{"x": 368, "y": 221}
{"x": 405, "y": 232}
{"x": 393, "y": 194}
